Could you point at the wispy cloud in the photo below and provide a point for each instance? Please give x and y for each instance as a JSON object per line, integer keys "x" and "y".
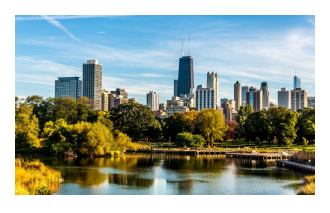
{"x": 101, "y": 32}
{"x": 57, "y": 24}
{"x": 35, "y": 18}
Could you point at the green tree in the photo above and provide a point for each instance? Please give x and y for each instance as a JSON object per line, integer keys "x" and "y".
{"x": 154, "y": 131}
{"x": 175, "y": 124}
{"x": 26, "y": 126}
{"x": 283, "y": 124}
{"x": 211, "y": 124}
{"x": 241, "y": 117}
{"x": 133, "y": 119}
{"x": 306, "y": 124}
{"x": 191, "y": 119}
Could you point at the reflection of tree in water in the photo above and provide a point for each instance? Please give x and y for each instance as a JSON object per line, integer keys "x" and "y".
{"x": 207, "y": 163}
{"x": 82, "y": 176}
{"x": 129, "y": 180}
{"x": 184, "y": 186}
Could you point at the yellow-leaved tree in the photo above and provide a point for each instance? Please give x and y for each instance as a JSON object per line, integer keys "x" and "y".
{"x": 211, "y": 124}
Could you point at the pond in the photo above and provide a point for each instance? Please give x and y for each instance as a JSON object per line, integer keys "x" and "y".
{"x": 169, "y": 174}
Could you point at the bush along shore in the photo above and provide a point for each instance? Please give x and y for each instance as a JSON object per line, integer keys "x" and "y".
{"x": 34, "y": 178}
{"x": 309, "y": 186}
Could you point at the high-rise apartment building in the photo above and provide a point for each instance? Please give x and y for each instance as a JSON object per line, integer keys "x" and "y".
{"x": 244, "y": 90}
{"x": 122, "y": 92}
{"x": 265, "y": 94}
{"x": 284, "y": 98}
{"x": 311, "y": 102}
{"x": 153, "y": 100}
{"x": 68, "y": 87}
{"x": 298, "y": 99}
{"x": 92, "y": 83}
{"x": 205, "y": 98}
{"x": 212, "y": 83}
{"x": 254, "y": 98}
{"x": 119, "y": 100}
{"x": 237, "y": 95}
{"x": 176, "y": 88}
{"x": 105, "y": 100}
{"x": 186, "y": 73}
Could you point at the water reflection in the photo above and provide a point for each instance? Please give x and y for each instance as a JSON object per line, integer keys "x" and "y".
{"x": 129, "y": 180}
{"x": 172, "y": 174}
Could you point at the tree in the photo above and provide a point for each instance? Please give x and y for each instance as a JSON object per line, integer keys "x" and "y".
{"x": 283, "y": 124}
{"x": 175, "y": 124}
{"x": 154, "y": 131}
{"x": 306, "y": 124}
{"x": 93, "y": 138}
{"x": 211, "y": 124}
{"x": 122, "y": 141}
{"x": 231, "y": 132}
{"x": 191, "y": 119}
{"x": 26, "y": 126}
{"x": 241, "y": 117}
{"x": 133, "y": 119}
{"x": 60, "y": 137}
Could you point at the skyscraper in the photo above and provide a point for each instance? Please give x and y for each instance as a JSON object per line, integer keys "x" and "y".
{"x": 298, "y": 99}
{"x": 254, "y": 98}
{"x": 153, "y": 100}
{"x": 176, "y": 88}
{"x": 296, "y": 82}
{"x": 237, "y": 95}
{"x": 284, "y": 98}
{"x": 212, "y": 83}
{"x": 186, "y": 74}
{"x": 68, "y": 87}
{"x": 244, "y": 90}
{"x": 92, "y": 83}
{"x": 265, "y": 94}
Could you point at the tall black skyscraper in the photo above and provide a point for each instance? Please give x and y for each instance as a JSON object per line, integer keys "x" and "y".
{"x": 186, "y": 73}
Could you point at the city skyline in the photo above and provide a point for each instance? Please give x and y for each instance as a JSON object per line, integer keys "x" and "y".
{"x": 250, "y": 49}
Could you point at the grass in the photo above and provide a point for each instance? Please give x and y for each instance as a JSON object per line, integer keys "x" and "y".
{"x": 34, "y": 178}
{"x": 309, "y": 187}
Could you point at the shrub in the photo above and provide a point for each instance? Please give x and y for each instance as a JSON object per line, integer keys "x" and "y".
{"x": 309, "y": 187}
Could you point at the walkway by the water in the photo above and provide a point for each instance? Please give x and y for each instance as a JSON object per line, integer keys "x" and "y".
{"x": 296, "y": 166}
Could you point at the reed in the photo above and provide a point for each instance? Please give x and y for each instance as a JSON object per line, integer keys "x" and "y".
{"x": 34, "y": 178}
{"x": 309, "y": 187}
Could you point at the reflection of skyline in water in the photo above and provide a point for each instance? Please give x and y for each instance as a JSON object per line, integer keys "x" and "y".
{"x": 172, "y": 174}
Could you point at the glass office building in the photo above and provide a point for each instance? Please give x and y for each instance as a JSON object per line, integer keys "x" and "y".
{"x": 296, "y": 82}
{"x": 186, "y": 75}
{"x": 68, "y": 87}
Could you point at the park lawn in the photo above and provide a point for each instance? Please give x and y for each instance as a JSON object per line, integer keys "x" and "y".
{"x": 242, "y": 144}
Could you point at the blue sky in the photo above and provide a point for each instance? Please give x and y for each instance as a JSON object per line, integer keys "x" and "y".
{"x": 141, "y": 53}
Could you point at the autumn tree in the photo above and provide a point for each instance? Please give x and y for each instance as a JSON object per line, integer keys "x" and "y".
{"x": 211, "y": 124}
{"x": 191, "y": 119}
{"x": 26, "y": 126}
{"x": 231, "y": 132}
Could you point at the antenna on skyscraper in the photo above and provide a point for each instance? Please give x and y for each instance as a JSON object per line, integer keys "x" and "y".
{"x": 295, "y": 72}
{"x": 182, "y": 47}
{"x": 189, "y": 44}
